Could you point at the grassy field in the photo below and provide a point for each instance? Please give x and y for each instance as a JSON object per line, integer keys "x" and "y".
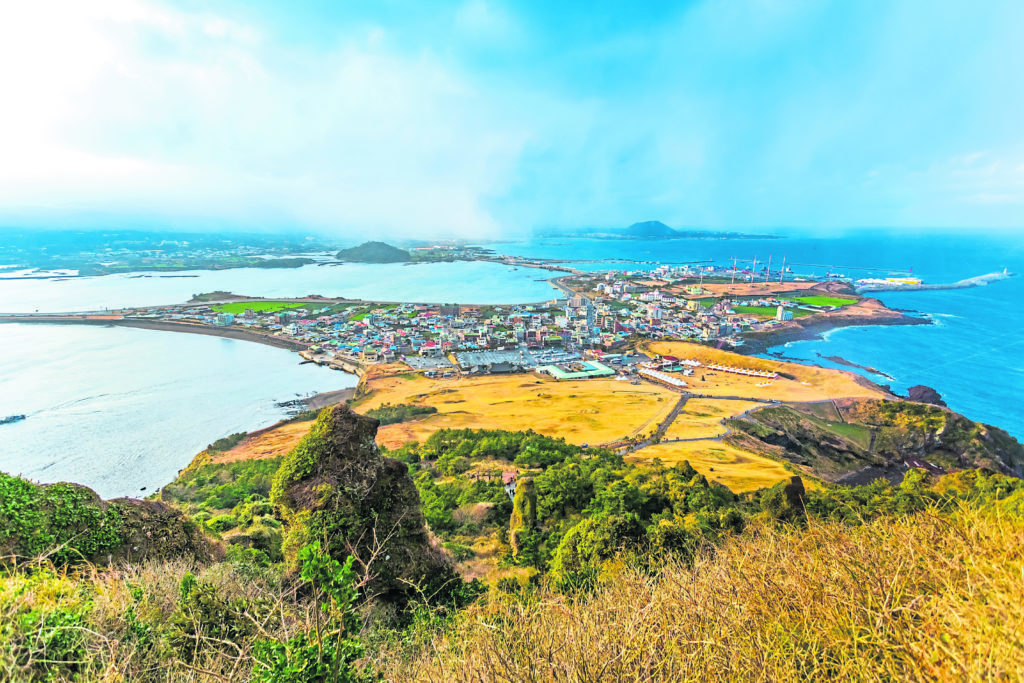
{"x": 702, "y": 418}
{"x": 810, "y": 383}
{"x": 825, "y": 301}
{"x": 269, "y": 444}
{"x": 738, "y": 469}
{"x": 768, "y": 311}
{"x": 238, "y": 307}
{"x": 581, "y": 411}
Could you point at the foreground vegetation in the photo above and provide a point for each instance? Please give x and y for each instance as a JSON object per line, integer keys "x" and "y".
{"x": 320, "y": 566}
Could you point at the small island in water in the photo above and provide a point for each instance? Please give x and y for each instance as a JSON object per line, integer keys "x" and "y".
{"x": 375, "y": 252}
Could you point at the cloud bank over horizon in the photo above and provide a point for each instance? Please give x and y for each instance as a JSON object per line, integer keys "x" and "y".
{"x": 482, "y": 119}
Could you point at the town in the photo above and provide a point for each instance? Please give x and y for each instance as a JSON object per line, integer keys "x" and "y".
{"x": 587, "y": 332}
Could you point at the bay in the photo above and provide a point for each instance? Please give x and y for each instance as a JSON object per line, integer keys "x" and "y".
{"x": 469, "y": 282}
{"x": 118, "y": 409}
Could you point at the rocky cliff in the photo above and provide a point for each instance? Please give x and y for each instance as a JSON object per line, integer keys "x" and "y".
{"x": 335, "y": 487}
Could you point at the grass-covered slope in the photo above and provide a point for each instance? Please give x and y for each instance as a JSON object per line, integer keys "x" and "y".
{"x": 921, "y": 598}
{"x": 855, "y": 440}
{"x": 68, "y": 523}
{"x": 599, "y": 570}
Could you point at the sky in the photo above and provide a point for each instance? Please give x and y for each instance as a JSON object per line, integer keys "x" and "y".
{"x": 485, "y": 119}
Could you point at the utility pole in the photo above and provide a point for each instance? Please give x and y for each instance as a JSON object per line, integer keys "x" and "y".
{"x": 733, "y": 271}
{"x": 753, "y": 269}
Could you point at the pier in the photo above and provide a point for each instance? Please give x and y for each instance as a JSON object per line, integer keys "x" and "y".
{"x": 977, "y": 281}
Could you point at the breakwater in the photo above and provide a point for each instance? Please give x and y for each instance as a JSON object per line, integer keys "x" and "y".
{"x": 978, "y": 281}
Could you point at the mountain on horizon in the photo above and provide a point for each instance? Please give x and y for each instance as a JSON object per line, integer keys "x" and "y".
{"x": 650, "y": 229}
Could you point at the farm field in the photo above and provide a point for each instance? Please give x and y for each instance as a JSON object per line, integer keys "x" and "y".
{"x": 809, "y": 384}
{"x": 739, "y": 289}
{"x": 702, "y": 418}
{"x": 825, "y": 301}
{"x": 580, "y": 411}
{"x": 238, "y": 307}
{"x": 768, "y": 311}
{"x": 735, "y": 468}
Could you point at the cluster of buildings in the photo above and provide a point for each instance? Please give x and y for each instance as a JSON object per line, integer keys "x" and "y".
{"x": 600, "y": 313}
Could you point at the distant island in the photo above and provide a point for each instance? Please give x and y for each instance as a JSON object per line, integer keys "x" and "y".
{"x": 651, "y": 230}
{"x": 375, "y": 252}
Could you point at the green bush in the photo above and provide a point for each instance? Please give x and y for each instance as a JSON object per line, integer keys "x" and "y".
{"x": 330, "y": 650}
{"x": 222, "y": 523}
{"x": 403, "y": 412}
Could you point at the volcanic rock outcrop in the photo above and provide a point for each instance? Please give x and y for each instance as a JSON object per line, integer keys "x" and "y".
{"x": 68, "y": 523}
{"x": 336, "y": 488}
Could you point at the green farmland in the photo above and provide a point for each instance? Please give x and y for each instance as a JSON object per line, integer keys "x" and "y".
{"x": 238, "y": 307}
{"x": 768, "y": 311}
{"x": 825, "y": 301}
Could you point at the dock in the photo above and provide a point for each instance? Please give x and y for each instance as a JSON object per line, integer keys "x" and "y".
{"x": 977, "y": 281}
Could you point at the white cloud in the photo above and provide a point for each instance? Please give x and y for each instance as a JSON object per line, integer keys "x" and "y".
{"x": 127, "y": 106}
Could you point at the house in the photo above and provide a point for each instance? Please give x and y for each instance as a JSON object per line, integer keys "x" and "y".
{"x": 508, "y": 479}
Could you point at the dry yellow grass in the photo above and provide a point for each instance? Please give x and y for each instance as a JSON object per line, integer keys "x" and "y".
{"x": 811, "y": 383}
{"x": 702, "y": 418}
{"x": 265, "y": 444}
{"x": 735, "y": 468}
{"x": 923, "y": 598}
{"x": 739, "y": 289}
{"x": 581, "y": 411}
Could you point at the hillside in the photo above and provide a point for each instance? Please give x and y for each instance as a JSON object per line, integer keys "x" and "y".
{"x": 857, "y": 440}
{"x": 374, "y": 252}
{"x": 335, "y": 562}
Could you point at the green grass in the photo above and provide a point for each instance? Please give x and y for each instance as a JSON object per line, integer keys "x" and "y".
{"x": 768, "y": 311}
{"x": 858, "y": 434}
{"x": 825, "y": 301}
{"x": 238, "y": 307}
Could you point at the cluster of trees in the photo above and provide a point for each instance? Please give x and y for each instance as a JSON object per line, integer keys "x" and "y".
{"x": 588, "y": 506}
{"x": 402, "y": 412}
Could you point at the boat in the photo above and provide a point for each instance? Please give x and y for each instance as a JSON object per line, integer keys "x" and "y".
{"x": 12, "y": 418}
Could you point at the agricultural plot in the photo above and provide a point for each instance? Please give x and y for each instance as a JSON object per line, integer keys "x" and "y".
{"x": 239, "y": 307}
{"x": 739, "y": 470}
{"x": 825, "y": 301}
{"x": 582, "y": 411}
{"x": 702, "y": 418}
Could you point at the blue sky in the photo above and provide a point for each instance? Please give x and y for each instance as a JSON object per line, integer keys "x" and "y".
{"x": 483, "y": 118}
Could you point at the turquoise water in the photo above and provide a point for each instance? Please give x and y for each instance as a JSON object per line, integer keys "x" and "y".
{"x": 973, "y": 354}
{"x": 462, "y": 282}
{"x": 118, "y": 409}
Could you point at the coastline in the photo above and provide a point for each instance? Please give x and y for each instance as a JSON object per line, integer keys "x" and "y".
{"x": 865, "y": 313}
{"x": 165, "y": 326}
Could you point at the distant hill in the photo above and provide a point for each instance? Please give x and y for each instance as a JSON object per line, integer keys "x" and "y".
{"x": 649, "y": 230}
{"x": 375, "y": 252}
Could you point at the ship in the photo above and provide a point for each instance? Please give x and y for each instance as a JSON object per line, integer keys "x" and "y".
{"x": 11, "y": 418}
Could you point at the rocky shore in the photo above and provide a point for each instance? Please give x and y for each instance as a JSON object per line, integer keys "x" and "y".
{"x": 864, "y": 312}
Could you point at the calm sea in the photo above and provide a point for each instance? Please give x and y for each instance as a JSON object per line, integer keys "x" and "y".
{"x": 466, "y": 282}
{"x": 119, "y": 409}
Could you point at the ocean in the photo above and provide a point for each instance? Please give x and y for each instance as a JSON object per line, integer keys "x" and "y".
{"x": 467, "y": 282}
{"x": 118, "y": 409}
